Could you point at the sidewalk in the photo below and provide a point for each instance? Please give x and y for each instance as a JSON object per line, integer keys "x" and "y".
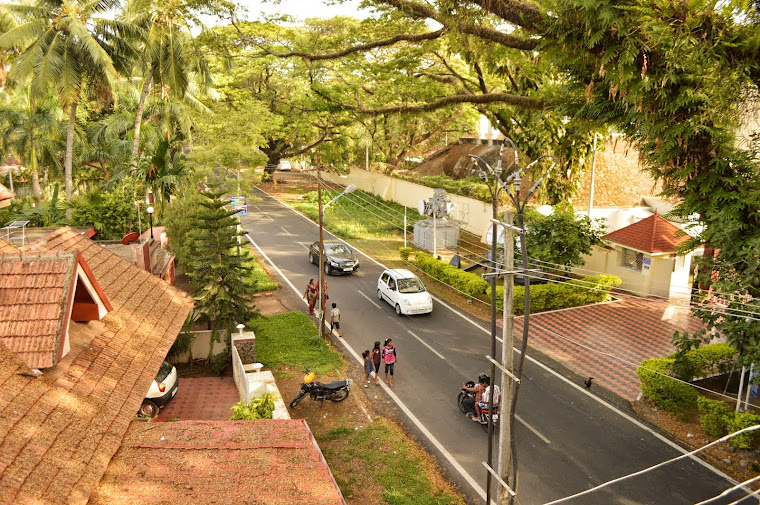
{"x": 608, "y": 341}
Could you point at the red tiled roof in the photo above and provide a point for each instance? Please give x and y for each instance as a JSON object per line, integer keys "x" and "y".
{"x": 35, "y": 298}
{"x": 57, "y": 436}
{"x": 5, "y": 247}
{"x": 200, "y": 462}
{"x": 654, "y": 234}
{"x": 6, "y": 196}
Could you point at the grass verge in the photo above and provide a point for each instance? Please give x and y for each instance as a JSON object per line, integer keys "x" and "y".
{"x": 259, "y": 277}
{"x": 291, "y": 339}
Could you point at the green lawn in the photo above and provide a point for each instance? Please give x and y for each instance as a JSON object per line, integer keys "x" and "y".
{"x": 259, "y": 277}
{"x": 291, "y": 339}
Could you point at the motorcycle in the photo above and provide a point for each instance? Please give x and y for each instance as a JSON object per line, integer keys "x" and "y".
{"x": 484, "y": 412}
{"x": 336, "y": 391}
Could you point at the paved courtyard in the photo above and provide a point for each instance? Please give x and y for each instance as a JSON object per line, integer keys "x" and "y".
{"x": 608, "y": 341}
{"x": 201, "y": 399}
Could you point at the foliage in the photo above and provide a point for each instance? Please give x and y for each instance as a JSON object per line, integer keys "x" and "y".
{"x": 260, "y": 279}
{"x": 113, "y": 212}
{"x": 562, "y": 237}
{"x": 750, "y": 439}
{"x": 258, "y": 408}
{"x": 471, "y": 186}
{"x": 219, "y": 276}
{"x": 543, "y": 297}
{"x": 383, "y": 451}
{"x": 715, "y": 416}
{"x": 46, "y": 214}
{"x": 661, "y": 384}
{"x": 178, "y": 220}
{"x": 405, "y": 252}
{"x": 292, "y": 340}
{"x": 184, "y": 341}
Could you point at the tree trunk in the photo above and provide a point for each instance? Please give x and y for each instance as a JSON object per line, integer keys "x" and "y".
{"x": 138, "y": 120}
{"x": 68, "y": 160}
{"x": 36, "y": 190}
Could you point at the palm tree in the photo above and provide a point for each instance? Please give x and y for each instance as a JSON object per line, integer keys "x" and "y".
{"x": 63, "y": 46}
{"x": 168, "y": 55}
{"x": 30, "y": 131}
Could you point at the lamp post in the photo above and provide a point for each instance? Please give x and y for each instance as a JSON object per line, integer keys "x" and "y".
{"x": 349, "y": 189}
{"x": 507, "y": 474}
{"x": 150, "y": 216}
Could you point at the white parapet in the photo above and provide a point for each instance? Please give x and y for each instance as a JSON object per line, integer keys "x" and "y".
{"x": 260, "y": 383}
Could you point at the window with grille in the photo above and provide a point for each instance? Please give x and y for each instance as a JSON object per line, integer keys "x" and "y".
{"x": 632, "y": 259}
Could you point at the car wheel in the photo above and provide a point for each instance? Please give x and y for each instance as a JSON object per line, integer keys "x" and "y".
{"x": 398, "y": 309}
{"x": 311, "y": 258}
{"x": 327, "y": 269}
{"x": 379, "y": 295}
{"x": 148, "y": 409}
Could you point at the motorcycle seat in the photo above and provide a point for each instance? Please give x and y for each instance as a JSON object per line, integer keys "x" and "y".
{"x": 335, "y": 384}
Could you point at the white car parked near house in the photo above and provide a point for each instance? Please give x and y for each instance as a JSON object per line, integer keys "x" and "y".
{"x": 404, "y": 291}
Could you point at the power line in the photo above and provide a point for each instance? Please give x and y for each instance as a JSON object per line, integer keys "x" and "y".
{"x": 654, "y": 467}
{"x": 732, "y": 489}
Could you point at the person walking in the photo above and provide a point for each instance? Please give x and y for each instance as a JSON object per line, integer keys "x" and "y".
{"x": 367, "y": 366}
{"x": 311, "y": 295}
{"x": 335, "y": 320}
{"x": 389, "y": 356}
{"x": 377, "y": 357}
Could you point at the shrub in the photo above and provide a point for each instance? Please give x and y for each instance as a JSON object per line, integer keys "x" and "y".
{"x": 258, "y": 408}
{"x": 404, "y": 252}
{"x": 740, "y": 421}
{"x": 704, "y": 361}
{"x": 659, "y": 386}
{"x": 714, "y": 416}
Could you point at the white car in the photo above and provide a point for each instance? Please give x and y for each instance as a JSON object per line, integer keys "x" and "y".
{"x": 404, "y": 291}
{"x": 162, "y": 390}
{"x": 284, "y": 166}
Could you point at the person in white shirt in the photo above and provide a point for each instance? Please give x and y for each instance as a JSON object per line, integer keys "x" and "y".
{"x": 483, "y": 404}
{"x": 335, "y": 318}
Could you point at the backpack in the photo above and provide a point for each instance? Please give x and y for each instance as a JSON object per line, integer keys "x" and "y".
{"x": 389, "y": 355}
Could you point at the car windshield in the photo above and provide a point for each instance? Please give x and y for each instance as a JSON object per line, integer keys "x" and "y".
{"x": 164, "y": 371}
{"x": 338, "y": 249}
{"x": 413, "y": 285}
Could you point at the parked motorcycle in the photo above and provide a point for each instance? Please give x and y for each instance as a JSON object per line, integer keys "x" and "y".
{"x": 336, "y": 391}
{"x": 484, "y": 413}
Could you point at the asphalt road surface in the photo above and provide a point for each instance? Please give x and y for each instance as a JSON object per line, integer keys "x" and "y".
{"x": 568, "y": 439}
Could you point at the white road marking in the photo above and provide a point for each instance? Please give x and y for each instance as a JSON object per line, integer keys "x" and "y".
{"x": 373, "y": 302}
{"x": 426, "y": 345}
{"x": 303, "y": 244}
{"x": 562, "y": 378}
{"x": 531, "y": 428}
{"x": 286, "y": 232}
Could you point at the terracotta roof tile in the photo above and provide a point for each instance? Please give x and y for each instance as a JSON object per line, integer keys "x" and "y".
{"x": 280, "y": 458}
{"x": 35, "y": 294}
{"x": 654, "y": 234}
{"x": 5, "y": 247}
{"x": 58, "y": 436}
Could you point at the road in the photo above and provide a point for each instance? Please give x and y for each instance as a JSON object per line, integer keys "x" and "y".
{"x": 568, "y": 439}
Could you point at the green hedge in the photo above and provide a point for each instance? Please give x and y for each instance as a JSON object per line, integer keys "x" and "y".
{"x": 740, "y": 421}
{"x": 543, "y": 297}
{"x": 714, "y": 416}
{"x": 674, "y": 395}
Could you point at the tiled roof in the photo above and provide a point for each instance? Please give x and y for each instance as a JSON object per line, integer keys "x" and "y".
{"x": 57, "y": 436}
{"x": 200, "y": 462}
{"x": 654, "y": 234}
{"x": 35, "y": 297}
{"x": 6, "y": 248}
{"x": 6, "y": 196}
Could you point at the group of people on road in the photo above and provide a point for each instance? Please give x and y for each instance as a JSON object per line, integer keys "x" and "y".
{"x": 476, "y": 404}
{"x": 372, "y": 361}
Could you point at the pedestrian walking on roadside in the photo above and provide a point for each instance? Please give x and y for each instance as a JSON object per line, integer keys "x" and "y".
{"x": 311, "y": 295}
{"x": 389, "y": 356}
{"x": 377, "y": 357}
{"x": 335, "y": 319}
{"x": 367, "y": 366}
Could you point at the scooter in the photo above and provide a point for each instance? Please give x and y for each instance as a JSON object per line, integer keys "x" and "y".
{"x": 336, "y": 391}
{"x": 484, "y": 412}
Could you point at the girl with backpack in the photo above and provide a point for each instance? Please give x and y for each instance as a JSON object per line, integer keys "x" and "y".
{"x": 389, "y": 356}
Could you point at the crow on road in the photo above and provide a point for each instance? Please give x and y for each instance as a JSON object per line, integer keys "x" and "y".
{"x": 587, "y": 382}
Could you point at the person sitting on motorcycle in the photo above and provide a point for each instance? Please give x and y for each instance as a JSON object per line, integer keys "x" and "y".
{"x": 472, "y": 402}
{"x": 483, "y": 404}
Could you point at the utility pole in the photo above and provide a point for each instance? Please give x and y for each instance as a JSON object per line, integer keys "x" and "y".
{"x": 506, "y": 438}
{"x": 321, "y": 249}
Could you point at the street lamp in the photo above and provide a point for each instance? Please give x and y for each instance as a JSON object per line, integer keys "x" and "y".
{"x": 349, "y": 189}
{"x": 150, "y": 215}
{"x": 495, "y": 175}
